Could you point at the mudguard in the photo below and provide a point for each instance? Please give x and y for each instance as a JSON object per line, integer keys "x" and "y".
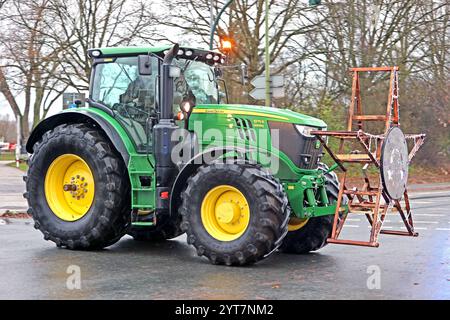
{"x": 95, "y": 118}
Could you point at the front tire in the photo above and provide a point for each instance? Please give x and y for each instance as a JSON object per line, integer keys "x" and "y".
{"x": 234, "y": 214}
{"x": 78, "y": 189}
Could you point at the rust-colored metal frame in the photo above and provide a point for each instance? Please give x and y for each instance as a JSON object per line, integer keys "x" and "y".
{"x": 370, "y": 200}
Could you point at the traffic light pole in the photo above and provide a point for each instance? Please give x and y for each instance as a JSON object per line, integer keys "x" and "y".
{"x": 216, "y": 22}
{"x": 266, "y": 37}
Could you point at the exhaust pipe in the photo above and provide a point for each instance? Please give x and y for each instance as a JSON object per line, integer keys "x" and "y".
{"x": 166, "y": 170}
{"x": 167, "y": 84}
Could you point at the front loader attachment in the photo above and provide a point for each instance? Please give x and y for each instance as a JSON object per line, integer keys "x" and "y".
{"x": 387, "y": 153}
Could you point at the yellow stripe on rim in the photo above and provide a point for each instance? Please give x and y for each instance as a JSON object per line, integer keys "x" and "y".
{"x": 237, "y": 112}
{"x": 69, "y": 187}
{"x": 296, "y": 223}
{"x": 225, "y": 213}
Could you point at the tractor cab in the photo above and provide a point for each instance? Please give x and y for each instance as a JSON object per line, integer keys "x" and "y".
{"x": 126, "y": 82}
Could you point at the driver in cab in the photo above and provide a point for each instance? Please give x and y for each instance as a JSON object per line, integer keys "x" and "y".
{"x": 195, "y": 84}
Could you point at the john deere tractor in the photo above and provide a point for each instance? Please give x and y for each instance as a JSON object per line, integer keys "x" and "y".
{"x": 158, "y": 152}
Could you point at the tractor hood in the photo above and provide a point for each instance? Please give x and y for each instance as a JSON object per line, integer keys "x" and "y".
{"x": 274, "y": 114}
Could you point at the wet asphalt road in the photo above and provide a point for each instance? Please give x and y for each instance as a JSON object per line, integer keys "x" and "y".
{"x": 31, "y": 268}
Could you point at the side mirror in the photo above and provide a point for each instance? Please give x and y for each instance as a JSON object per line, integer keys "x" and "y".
{"x": 78, "y": 103}
{"x": 188, "y": 103}
{"x": 145, "y": 65}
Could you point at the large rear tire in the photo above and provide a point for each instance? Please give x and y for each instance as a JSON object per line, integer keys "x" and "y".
{"x": 78, "y": 191}
{"x": 312, "y": 234}
{"x": 234, "y": 214}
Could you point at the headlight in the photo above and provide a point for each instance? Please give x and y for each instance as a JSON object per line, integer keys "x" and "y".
{"x": 305, "y": 130}
{"x": 96, "y": 53}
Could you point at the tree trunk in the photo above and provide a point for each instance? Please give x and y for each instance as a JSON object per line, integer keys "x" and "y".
{"x": 38, "y": 104}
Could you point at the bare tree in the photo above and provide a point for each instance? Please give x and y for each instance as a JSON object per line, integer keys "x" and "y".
{"x": 367, "y": 33}
{"x": 81, "y": 25}
{"x": 28, "y": 64}
{"x": 244, "y": 22}
{"x": 45, "y": 43}
{"x": 412, "y": 34}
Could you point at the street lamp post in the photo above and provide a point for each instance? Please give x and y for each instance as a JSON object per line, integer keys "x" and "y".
{"x": 267, "y": 54}
{"x": 18, "y": 142}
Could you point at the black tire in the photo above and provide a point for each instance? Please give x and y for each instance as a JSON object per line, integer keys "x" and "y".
{"x": 314, "y": 234}
{"x": 163, "y": 230}
{"x": 109, "y": 215}
{"x": 269, "y": 213}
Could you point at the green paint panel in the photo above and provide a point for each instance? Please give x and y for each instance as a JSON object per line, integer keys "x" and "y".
{"x": 142, "y": 224}
{"x": 117, "y": 51}
{"x": 121, "y": 51}
{"x": 309, "y": 188}
{"x": 139, "y": 170}
{"x": 259, "y": 112}
{"x": 311, "y": 212}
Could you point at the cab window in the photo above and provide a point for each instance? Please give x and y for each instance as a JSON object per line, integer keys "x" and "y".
{"x": 118, "y": 85}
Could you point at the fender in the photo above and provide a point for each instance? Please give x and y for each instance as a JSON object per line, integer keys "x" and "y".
{"x": 97, "y": 118}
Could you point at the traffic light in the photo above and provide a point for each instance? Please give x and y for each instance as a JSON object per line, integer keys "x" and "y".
{"x": 314, "y": 2}
{"x": 226, "y": 44}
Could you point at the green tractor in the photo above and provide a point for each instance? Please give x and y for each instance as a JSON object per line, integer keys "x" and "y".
{"x": 158, "y": 153}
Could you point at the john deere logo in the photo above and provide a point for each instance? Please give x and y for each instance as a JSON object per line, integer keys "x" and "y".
{"x": 317, "y": 144}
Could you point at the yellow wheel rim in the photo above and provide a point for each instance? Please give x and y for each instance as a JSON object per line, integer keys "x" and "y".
{"x": 296, "y": 224}
{"x": 69, "y": 187}
{"x": 225, "y": 213}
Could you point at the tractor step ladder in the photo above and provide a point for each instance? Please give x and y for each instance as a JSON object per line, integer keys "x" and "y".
{"x": 370, "y": 200}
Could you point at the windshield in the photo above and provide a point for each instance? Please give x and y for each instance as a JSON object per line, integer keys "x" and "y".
{"x": 197, "y": 77}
